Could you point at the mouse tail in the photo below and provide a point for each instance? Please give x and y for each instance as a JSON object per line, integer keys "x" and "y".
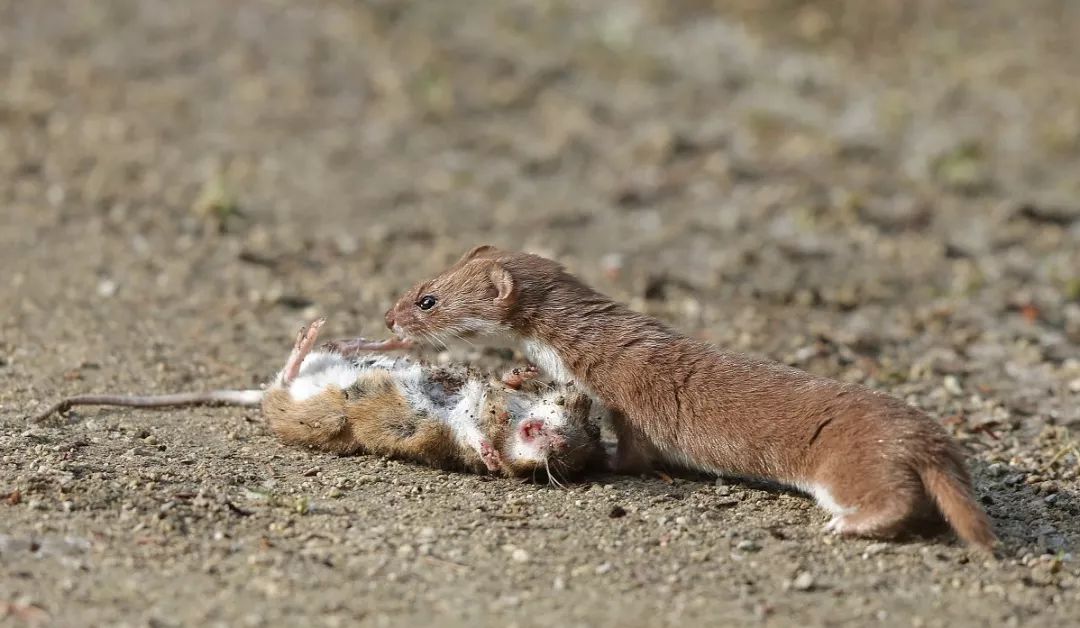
{"x": 948, "y": 485}
{"x": 252, "y": 397}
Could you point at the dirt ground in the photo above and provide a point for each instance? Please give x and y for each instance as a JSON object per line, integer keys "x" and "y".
{"x": 881, "y": 192}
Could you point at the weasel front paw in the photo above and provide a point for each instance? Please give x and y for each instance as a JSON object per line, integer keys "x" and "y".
{"x": 628, "y": 461}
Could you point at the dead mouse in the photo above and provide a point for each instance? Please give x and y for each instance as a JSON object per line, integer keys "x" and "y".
{"x": 344, "y": 399}
{"x": 878, "y": 465}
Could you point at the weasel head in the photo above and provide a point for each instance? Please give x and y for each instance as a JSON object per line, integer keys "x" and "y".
{"x": 471, "y": 299}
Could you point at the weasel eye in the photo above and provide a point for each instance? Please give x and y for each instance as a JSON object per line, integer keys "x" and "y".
{"x": 426, "y": 302}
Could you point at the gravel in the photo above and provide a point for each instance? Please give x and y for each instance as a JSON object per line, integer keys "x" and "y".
{"x": 879, "y": 192}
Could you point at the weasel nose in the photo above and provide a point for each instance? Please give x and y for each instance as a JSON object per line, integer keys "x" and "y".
{"x": 389, "y": 318}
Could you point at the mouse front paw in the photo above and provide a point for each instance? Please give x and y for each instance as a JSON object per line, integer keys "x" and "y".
{"x": 515, "y": 378}
{"x": 349, "y": 347}
{"x": 490, "y": 456}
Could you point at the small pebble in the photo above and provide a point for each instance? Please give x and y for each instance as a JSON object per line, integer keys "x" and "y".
{"x": 803, "y": 582}
{"x": 107, "y": 288}
{"x": 1043, "y": 573}
{"x": 746, "y": 545}
{"x": 874, "y": 549}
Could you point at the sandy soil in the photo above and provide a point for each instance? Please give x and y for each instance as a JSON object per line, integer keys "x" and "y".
{"x": 886, "y": 195}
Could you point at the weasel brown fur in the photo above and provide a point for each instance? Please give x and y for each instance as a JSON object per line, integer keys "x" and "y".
{"x": 878, "y": 465}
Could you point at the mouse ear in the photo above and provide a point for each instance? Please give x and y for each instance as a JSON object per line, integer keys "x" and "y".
{"x": 503, "y": 282}
{"x": 483, "y": 250}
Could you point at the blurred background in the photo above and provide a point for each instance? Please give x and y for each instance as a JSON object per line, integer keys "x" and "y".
{"x": 885, "y": 192}
{"x": 760, "y": 173}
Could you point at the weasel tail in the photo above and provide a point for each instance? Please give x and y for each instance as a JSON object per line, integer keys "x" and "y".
{"x": 948, "y": 487}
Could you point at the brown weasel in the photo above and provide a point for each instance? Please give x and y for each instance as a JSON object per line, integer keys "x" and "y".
{"x": 878, "y": 465}
{"x": 345, "y": 399}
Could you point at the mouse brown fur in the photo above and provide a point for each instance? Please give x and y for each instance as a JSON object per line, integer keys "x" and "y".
{"x": 348, "y": 398}
{"x": 443, "y": 416}
{"x": 377, "y": 421}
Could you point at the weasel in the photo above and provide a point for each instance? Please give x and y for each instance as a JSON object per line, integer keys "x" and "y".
{"x": 878, "y": 465}
{"x": 344, "y": 399}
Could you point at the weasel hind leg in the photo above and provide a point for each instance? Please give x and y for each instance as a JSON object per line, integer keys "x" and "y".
{"x": 885, "y": 522}
{"x": 881, "y": 514}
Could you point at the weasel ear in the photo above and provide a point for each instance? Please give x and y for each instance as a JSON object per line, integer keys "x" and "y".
{"x": 484, "y": 250}
{"x": 503, "y": 282}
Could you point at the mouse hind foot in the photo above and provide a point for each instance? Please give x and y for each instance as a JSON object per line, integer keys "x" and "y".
{"x": 305, "y": 340}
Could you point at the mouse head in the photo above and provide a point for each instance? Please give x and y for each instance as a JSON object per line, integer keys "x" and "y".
{"x": 551, "y": 435}
{"x": 471, "y": 298}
